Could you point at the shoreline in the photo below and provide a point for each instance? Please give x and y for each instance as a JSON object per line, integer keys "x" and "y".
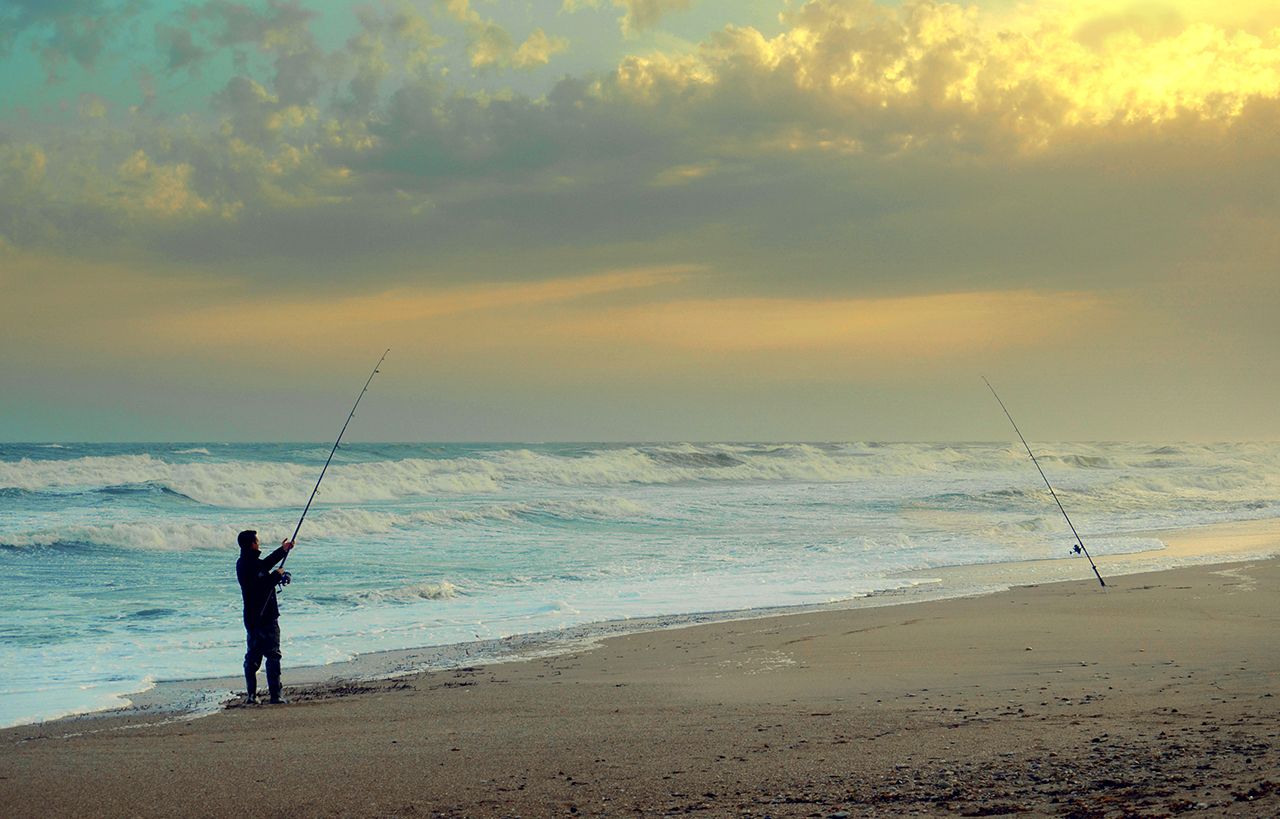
{"x": 186, "y": 699}
{"x": 1151, "y": 698}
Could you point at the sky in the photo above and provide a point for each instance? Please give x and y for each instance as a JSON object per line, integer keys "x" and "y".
{"x": 639, "y": 220}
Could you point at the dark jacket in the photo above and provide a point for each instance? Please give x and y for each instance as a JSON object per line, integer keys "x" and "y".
{"x": 258, "y": 585}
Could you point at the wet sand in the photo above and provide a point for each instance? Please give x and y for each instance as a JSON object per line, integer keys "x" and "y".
{"x": 1152, "y": 697}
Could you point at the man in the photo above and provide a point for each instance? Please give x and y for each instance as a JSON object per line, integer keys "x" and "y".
{"x": 261, "y": 616}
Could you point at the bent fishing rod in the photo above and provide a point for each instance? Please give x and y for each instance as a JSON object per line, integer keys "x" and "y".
{"x": 284, "y": 581}
{"x": 1079, "y": 548}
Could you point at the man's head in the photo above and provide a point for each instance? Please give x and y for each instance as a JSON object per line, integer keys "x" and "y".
{"x": 248, "y": 540}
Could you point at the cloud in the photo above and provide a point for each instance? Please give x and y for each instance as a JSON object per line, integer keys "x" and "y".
{"x": 859, "y": 192}
{"x": 536, "y": 51}
{"x": 850, "y": 76}
{"x": 22, "y": 168}
{"x": 393, "y": 41}
{"x": 282, "y": 29}
{"x": 261, "y": 147}
{"x": 614, "y": 321}
{"x": 490, "y": 46}
{"x": 411, "y": 310}
{"x": 939, "y": 326}
{"x": 283, "y": 26}
{"x": 639, "y": 14}
{"x": 875, "y": 126}
{"x": 179, "y": 49}
{"x": 65, "y": 31}
{"x": 646, "y": 14}
{"x": 164, "y": 191}
{"x": 848, "y": 82}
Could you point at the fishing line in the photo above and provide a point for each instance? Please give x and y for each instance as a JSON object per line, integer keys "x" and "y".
{"x": 285, "y": 577}
{"x": 1079, "y": 548}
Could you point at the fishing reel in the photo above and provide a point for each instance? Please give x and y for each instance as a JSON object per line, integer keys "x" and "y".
{"x": 285, "y": 579}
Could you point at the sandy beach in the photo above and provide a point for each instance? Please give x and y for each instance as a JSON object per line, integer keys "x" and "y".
{"x": 1151, "y": 697}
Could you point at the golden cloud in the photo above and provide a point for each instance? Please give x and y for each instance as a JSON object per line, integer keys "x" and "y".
{"x": 935, "y": 71}
{"x": 315, "y": 318}
{"x": 489, "y": 45}
{"x": 583, "y": 320}
{"x": 938, "y": 325}
{"x": 638, "y": 14}
{"x": 847, "y": 78}
{"x": 611, "y": 323}
{"x": 537, "y": 50}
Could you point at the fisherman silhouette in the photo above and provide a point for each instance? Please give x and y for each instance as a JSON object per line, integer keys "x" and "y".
{"x": 261, "y": 614}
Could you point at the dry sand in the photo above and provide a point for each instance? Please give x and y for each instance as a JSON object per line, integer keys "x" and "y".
{"x": 1152, "y": 697}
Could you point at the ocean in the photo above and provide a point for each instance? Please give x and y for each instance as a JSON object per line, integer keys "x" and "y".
{"x": 119, "y": 559}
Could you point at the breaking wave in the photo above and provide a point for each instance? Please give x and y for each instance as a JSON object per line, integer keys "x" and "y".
{"x": 340, "y": 524}
{"x": 248, "y": 483}
{"x": 415, "y": 593}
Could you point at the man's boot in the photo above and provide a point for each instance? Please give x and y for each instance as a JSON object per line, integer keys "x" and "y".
{"x": 251, "y": 687}
{"x": 273, "y": 681}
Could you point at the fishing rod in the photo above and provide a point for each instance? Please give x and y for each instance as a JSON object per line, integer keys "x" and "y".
{"x": 284, "y": 579}
{"x": 1079, "y": 547}
{"x": 335, "y": 449}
